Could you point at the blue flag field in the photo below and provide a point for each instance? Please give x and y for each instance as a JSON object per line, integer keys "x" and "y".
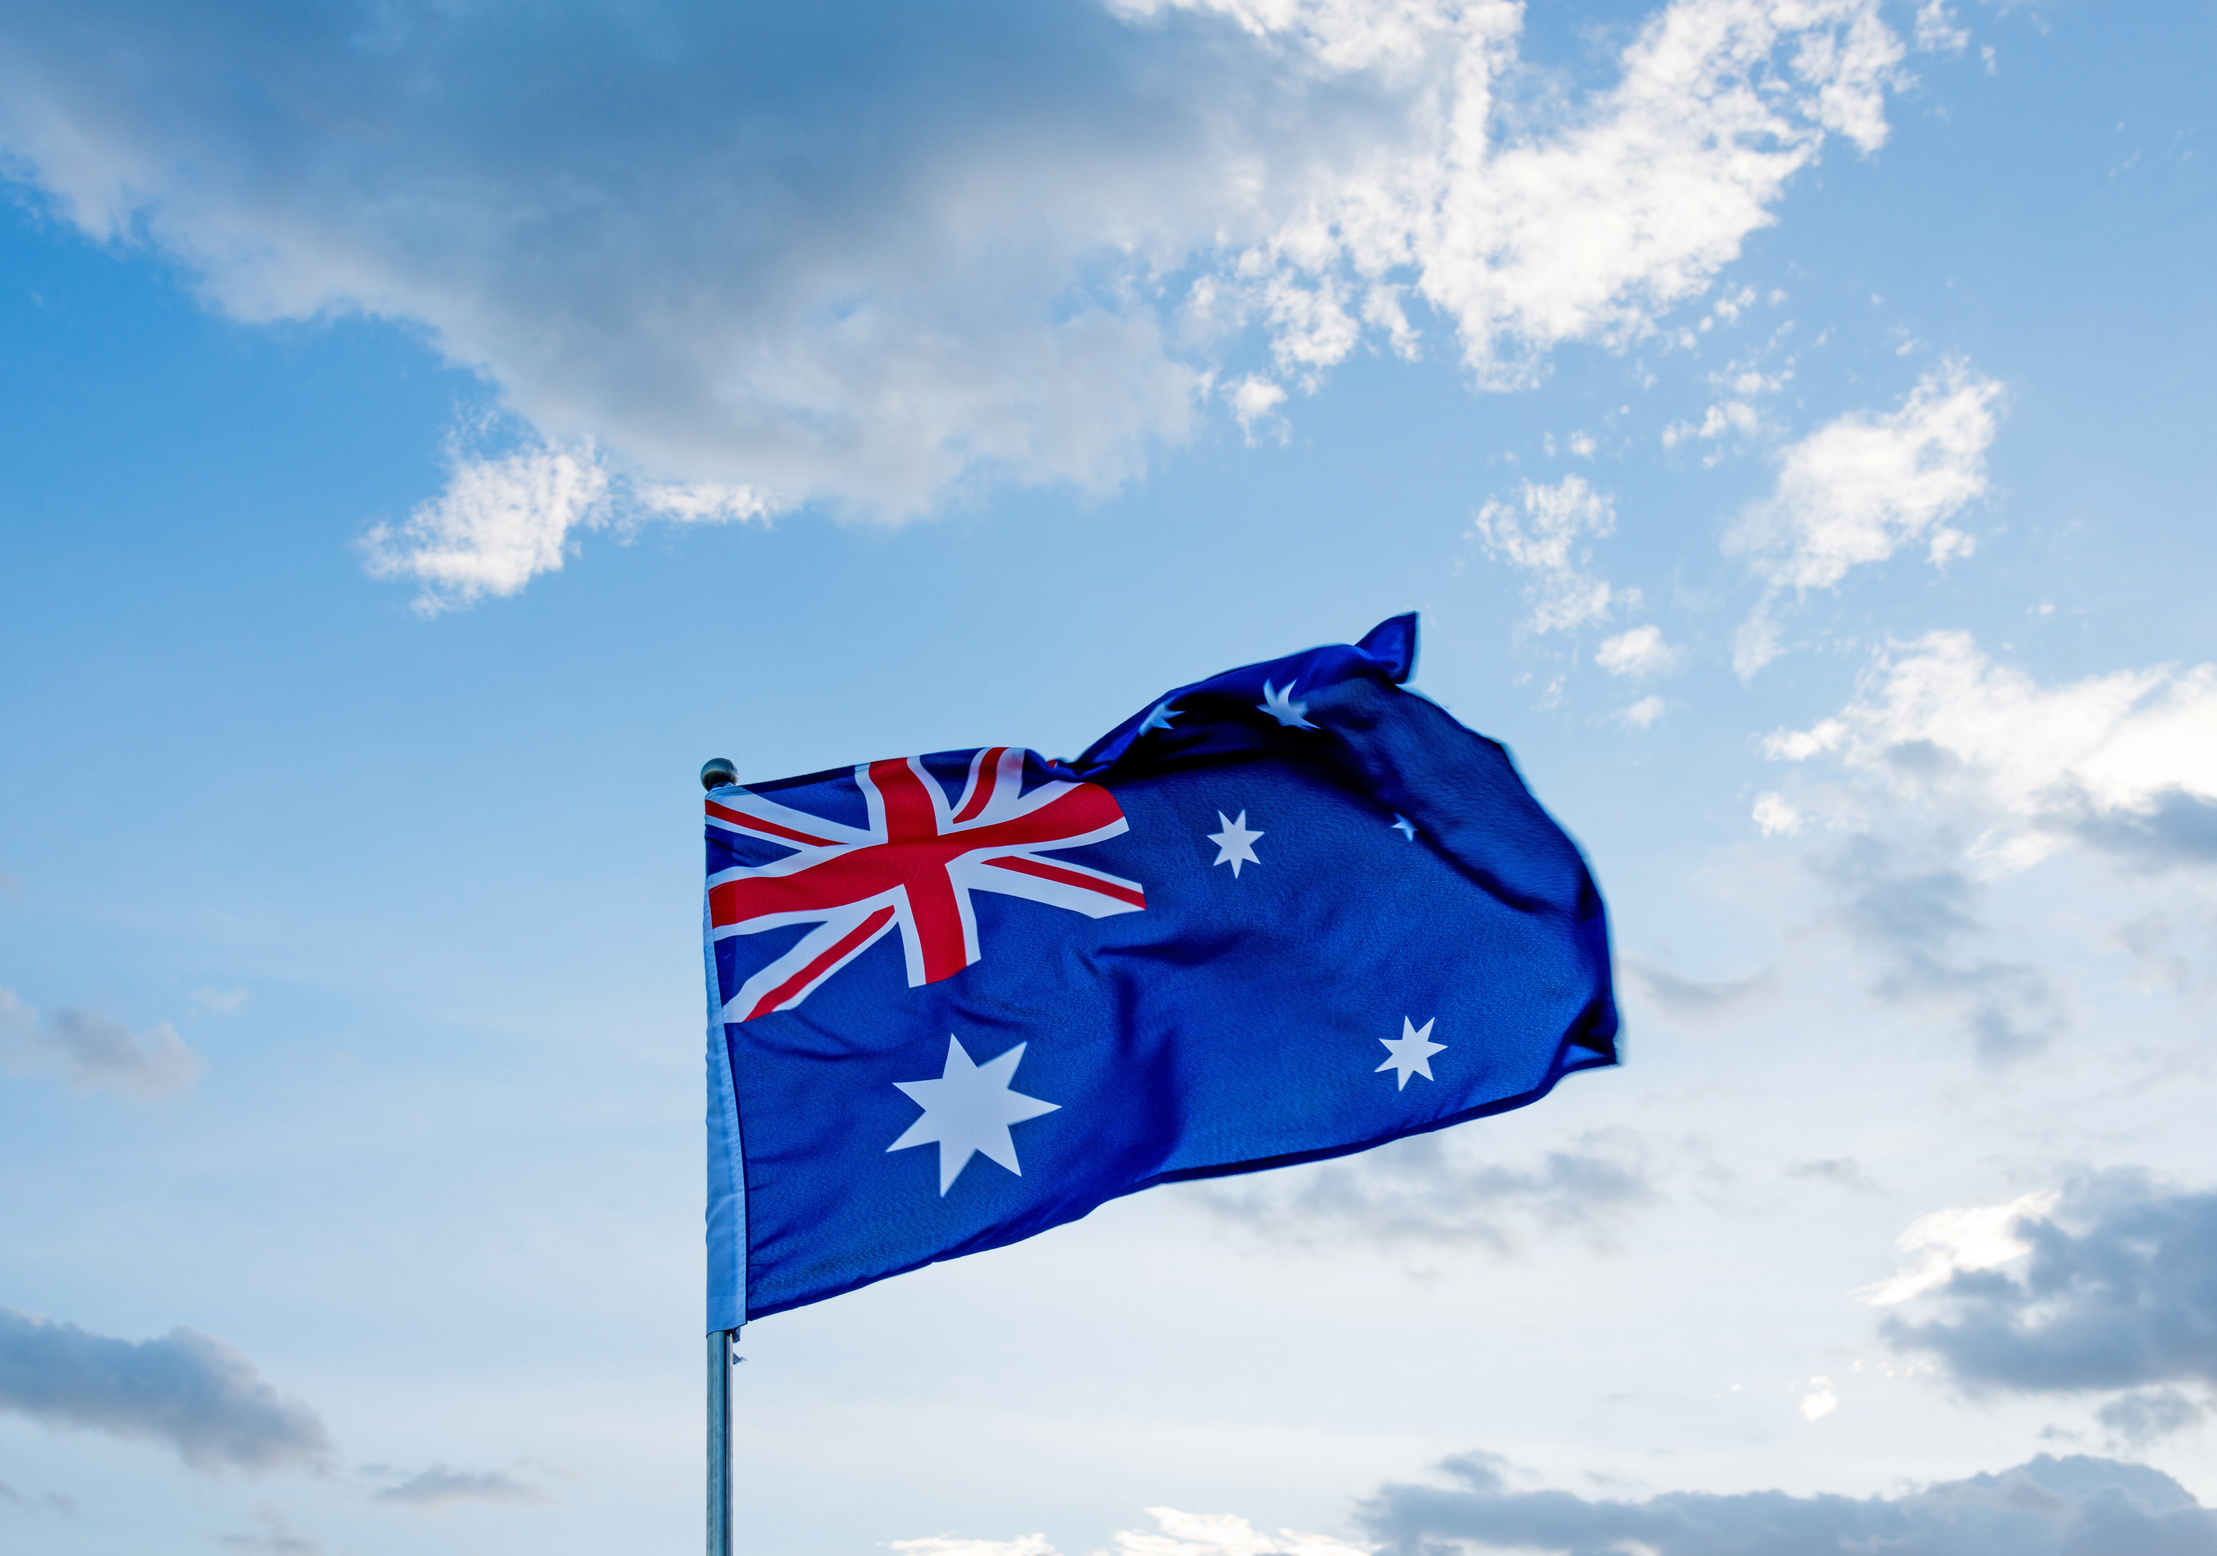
{"x": 1290, "y": 912}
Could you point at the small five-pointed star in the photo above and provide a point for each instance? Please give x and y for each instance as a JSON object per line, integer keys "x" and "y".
{"x": 1281, "y": 706}
{"x": 1410, "y": 1053}
{"x": 1407, "y": 829}
{"x": 1159, "y": 717}
{"x": 967, "y": 1111}
{"x": 1235, "y": 845}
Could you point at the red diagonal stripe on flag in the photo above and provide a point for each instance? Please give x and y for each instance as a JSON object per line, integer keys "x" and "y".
{"x": 1065, "y": 877}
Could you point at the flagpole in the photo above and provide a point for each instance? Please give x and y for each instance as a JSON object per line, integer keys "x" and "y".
{"x": 722, "y": 1343}
{"x": 720, "y": 1360}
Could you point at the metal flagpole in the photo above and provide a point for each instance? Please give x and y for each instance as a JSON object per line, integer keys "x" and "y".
{"x": 720, "y": 1361}
{"x": 722, "y": 1342}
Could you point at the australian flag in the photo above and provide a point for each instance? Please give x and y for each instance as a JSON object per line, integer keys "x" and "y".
{"x": 1290, "y": 912}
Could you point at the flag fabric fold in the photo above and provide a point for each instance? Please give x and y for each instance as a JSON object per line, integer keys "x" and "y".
{"x": 1286, "y": 913}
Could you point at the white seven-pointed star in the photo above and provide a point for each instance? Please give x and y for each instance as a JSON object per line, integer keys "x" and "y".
{"x": 1235, "y": 845}
{"x": 1411, "y": 1053}
{"x": 1407, "y": 829}
{"x": 1281, "y": 706}
{"x": 1159, "y": 716}
{"x": 967, "y": 1111}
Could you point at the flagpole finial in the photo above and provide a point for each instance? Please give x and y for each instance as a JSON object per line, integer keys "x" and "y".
{"x": 718, "y": 771}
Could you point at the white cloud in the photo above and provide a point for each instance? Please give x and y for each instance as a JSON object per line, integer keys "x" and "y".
{"x": 761, "y": 253}
{"x": 1642, "y": 714}
{"x": 1820, "y": 1401}
{"x": 1590, "y": 233}
{"x": 502, "y": 521}
{"x": 1972, "y": 1237}
{"x": 499, "y": 524}
{"x": 1725, "y": 416}
{"x": 1947, "y": 773}
{"x": 700, "y": 503}
{"x": 1861, "y": 488}
{"x": 2126, "y": 761}
{"x": 91, "y": 1052}
{"x": 1256, "y": 399}
{"x": 1639, "y": 653}
{"x": 1176, "y": 1534}
{"x": 1546, "y": 540}
{"x": 1937, "y": 30}
{"x": 1776, "y": 815}
{"x": 1759, "y": 639}
{"x": 1741, "y": 386}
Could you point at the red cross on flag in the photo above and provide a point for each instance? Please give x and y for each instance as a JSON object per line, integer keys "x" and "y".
{"x": 912, "y": 869}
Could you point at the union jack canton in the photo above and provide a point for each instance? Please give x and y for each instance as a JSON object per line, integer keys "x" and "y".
{"x": 910, "y": 871}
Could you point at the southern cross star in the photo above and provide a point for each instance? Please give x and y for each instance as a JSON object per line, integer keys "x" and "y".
{"x": 1235, "y": 845}
{"x": 1410, "y": 1053}
{"x": 1159, "y": 716}
{"x": 1281, "y": 706}
{"x": 1407, "y": 829}
{"x": 967, "y": 1111}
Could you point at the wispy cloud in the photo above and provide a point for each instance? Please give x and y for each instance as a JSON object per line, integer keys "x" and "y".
{"x": 1039, "y": 277}
{"x": 1924, "y": 926}
{"x": 1693, "y": 1000}
{"x": 442, "y": 1486}
{"x": 1546, "y": 533}
{"x": 187, "y": 1390}
{"x": 2150, "y": 1415}
{"x": 1425, "y": 1193}
{"x": 1640, "y": 654}
{"x": 91, "y": 1052}
{"x": 1863, "y": 487}
{"x": 1642, "y": 714}
{"x": 1938, "y": 32}
{"x": 275, "y": 1536}
{"x": 46, "y": 1502}
{"x": 1840, "y": 1171}
{"x": 499, "y": 524}
{"x": 501, "y": 521}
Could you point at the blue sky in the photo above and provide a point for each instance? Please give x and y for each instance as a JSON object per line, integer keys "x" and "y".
{"x": 432, "y": 430}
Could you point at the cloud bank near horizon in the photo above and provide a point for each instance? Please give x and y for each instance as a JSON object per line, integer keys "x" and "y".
{"x": 2077, "y": 1506}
